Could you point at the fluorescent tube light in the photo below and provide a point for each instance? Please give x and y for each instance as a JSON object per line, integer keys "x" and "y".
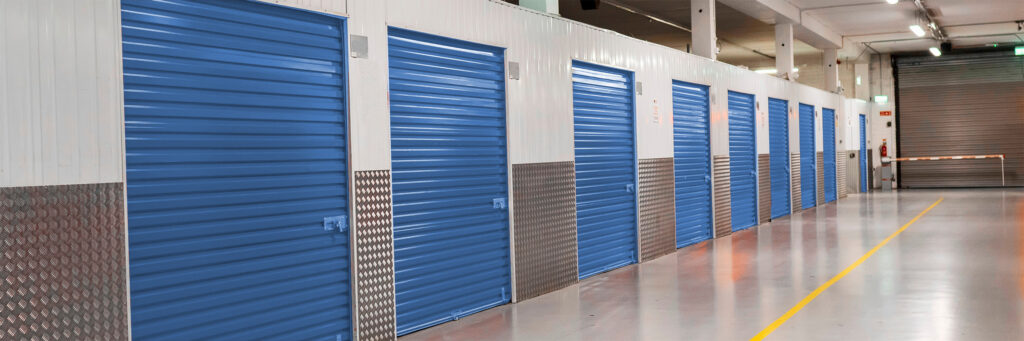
{"x": 892, "y": 2}
{"x": 772, "y": 71}
{"x": 935, "y": 51}
{"x": 918, "y": 31}
{"x": 1019, "y": 50}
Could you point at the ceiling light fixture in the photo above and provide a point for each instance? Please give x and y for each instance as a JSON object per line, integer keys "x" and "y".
{"x": 935, "y": 51}
{"x": 892, "y": 2}
{"x": 918, "y": 31}
{"x": 772, "y": 71}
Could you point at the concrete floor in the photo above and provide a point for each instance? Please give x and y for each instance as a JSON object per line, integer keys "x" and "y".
{"x": 955, "y": 274}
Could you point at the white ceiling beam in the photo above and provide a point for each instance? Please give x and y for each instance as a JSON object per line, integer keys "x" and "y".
{"x": 806, "y": 28}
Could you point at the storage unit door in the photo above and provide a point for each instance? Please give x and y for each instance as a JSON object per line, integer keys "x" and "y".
{"x": 450, "y": 178}
{"x": 236, "y": 156}
{"x": 964, "y": 104}
{"x": 742, "y": 161}
{"x": 605, "y": 167}
{"x": 692, "y": 157}
{"x": 863, "y": 154}
{"x": 808, "y": 173}
{"x": 828, "y": 136}
{"x": 778, "y": 140}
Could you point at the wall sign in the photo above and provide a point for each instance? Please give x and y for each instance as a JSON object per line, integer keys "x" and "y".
{"x": 885, "y": 113}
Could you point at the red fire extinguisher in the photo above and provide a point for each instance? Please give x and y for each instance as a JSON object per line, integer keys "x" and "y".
{"x": 883, "y": 151}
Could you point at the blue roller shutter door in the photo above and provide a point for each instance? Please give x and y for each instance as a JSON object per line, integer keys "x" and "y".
{"x": 605, "y": 167}
{"x": 778, "y": 136}
{"x": 692, "y": 157}
{"x": 828, "y": 136}
{"x": 448, "y": 151}
{"x": 235, "y": 129}
{"x": 742, "y": 161}
{"x": 808, "y": 182}
{"x": 863, "y": 154}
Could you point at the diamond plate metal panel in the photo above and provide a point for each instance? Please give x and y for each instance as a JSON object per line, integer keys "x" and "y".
{"x": 544, "y": 224}
{"x": 820, "y": 180}
{"x": 841, "y": 173}
{"x": 374, "y": 256}
{"x": 657, "y": 208}
{"x": 723, "y": 204}
{"x": 764, "y": 188}
{"x": 794, "y": 161}
{"x": 62, "y": 263}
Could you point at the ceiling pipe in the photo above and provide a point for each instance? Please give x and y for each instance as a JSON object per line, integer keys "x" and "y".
{"x": 935, "y": 28}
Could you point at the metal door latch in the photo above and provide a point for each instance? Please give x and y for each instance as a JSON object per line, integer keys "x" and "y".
{"x": 631, "y": 188}
{"x": 500, "y": 204}
{"x": 707, "y": 179}
{"x": 336, "y": 223}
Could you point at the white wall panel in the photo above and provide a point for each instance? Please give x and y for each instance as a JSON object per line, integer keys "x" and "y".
{"x": 337, "y": 7}
{"x": 60, "y": 92}
{"x": 540, "y": 102}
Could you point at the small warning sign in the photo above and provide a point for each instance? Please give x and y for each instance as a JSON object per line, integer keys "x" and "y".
{"x": 885, "y": 113}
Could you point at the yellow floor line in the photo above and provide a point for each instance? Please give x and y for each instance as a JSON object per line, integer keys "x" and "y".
{"x": 775, "y": 325}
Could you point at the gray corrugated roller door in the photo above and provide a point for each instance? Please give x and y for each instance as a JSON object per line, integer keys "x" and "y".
{"x": 961, "y": 105}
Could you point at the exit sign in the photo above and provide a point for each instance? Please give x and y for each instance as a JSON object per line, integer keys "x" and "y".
{"x": 885, "y": 113}
{"x": 1019, "y": 51}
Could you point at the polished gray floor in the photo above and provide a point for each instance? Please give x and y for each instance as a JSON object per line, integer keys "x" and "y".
{"x": 955, "y": 274}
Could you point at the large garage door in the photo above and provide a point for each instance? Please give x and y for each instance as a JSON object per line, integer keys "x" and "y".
{"x": 742, "y": 161}
{"x": 448, "y": 156}
{"x": 692, "y": 156}
{"x": 828, "y": 140}
{"x": 235, "y": 135}
{"x": 778, "y": 140}
{"x": 863, "y": 160}
{"x": 808, "y": 173}
{"x": 969, "y": 104}
{"x": 605, "y": 167}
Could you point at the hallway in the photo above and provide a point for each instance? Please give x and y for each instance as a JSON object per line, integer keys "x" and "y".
{"x": 957, "y": 273}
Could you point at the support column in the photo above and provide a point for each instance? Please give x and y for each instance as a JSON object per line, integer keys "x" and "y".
{"x": 546, "y": 6}
{"x": 831, "y": 70}
{"x": 702, "y": 15}
{"x": 784, "y": 51}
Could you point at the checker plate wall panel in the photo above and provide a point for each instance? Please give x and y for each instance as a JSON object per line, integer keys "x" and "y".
{"x": 794, "y": 164}
{"x": 820, "y": 181}
{"x": 841, "y": 173}
{"x": 544, "y": 224}
{"x": 657, "y": 208}
{"x": 723, "y": 210}
{"x": 764, "y": 188}
{"x": 374, "y": 258}
{"x": 62, "y": 263}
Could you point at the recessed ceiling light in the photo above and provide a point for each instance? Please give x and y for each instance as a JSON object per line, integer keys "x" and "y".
{"x": 935, "y": 51}
{"x": 918, "y": 31}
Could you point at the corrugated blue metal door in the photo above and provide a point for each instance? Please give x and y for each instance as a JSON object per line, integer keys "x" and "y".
{"x": 863, "y": 154}
{"x": 828, "y": 140}
{"x": 605, "y": 167}
{"x": 235, "y": 129}
{"x": 778, "y": 141}
{"x": 742, "y": 161}
{"x": 808, "y": 164}
{"x": 692, "y": 156}
{"x": 450, "y": 175}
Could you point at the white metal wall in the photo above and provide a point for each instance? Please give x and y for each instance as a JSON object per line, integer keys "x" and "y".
{"x": 62, "y": 117}
{"x": 60, "y": 93}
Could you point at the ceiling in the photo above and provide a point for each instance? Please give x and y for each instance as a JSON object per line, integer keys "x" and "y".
{"x": 862, "y": 23}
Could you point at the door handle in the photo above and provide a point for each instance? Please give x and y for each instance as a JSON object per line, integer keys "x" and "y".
{"x": 336, "y": 223}
{"x": 499, "y": 204}
{"x": 707, "y": 179}
{"x": 631, "y": 188}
